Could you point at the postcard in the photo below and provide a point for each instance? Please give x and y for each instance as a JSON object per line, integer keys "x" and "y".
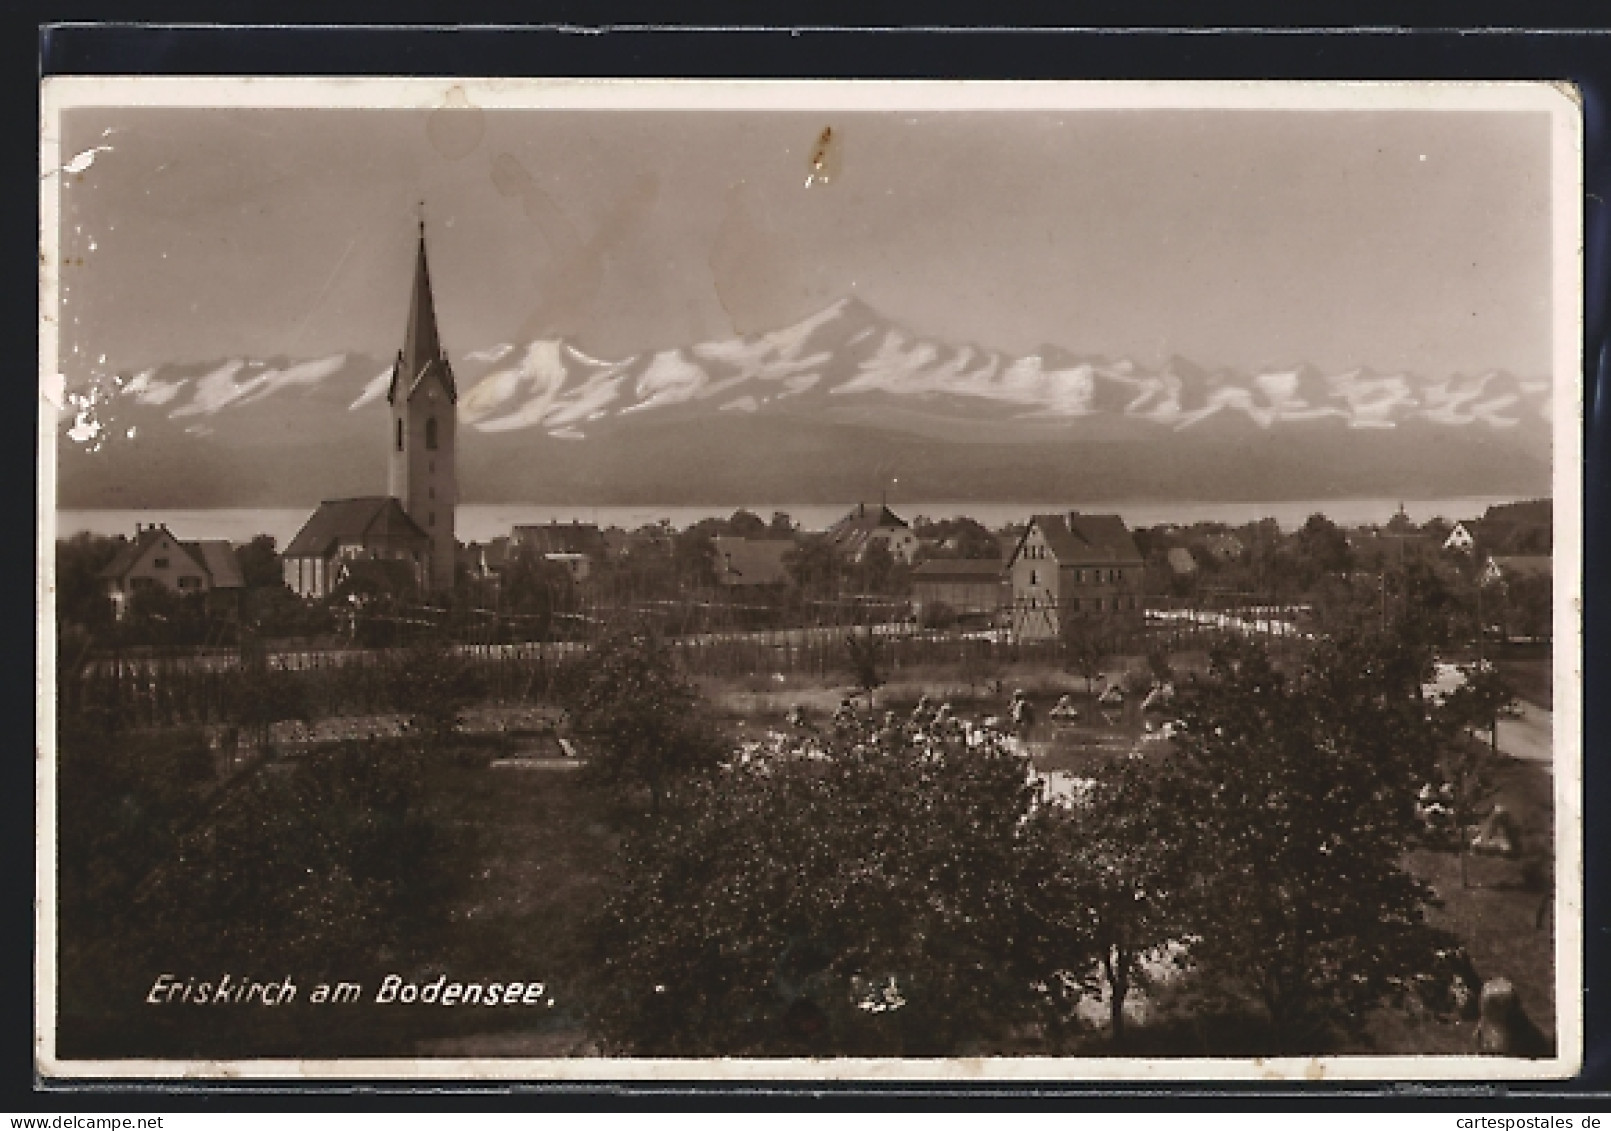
{"x": 828, "y": 580}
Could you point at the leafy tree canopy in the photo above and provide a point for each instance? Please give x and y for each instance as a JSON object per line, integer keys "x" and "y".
{"x": 855, "y": 893}
{"x": 1306, "y": 807}
{"x": 640, "y": 720}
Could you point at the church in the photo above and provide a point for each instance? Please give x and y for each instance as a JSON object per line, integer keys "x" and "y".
{"x": 412, "y": 524}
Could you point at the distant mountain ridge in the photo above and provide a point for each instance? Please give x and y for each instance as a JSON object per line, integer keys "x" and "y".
{"x": 828, "y": 408}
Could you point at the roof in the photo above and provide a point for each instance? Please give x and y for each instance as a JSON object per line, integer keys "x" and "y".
{"x": 145, "y": 537}
{"x": 562, "y": 538}
{"x": 960, "y": 569}
{"x": 1516, "y": 536}
{"x": 421, "y": 356}
{"x": 864, "y": 519}
{"x": 1532, "y": 512}
{"x": 217, "y": 557}
{"x": 751, "y": 561}
{"x": 355, "y": 521}
{"x": 1525, "y": 565}
{"x": 129, "y": 552}
{"x": 1080, "y": 539}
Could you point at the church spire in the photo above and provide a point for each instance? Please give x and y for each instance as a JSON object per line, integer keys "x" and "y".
{"x": 421, "y": 345}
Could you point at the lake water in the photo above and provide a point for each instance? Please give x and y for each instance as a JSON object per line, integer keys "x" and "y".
{"x": 479, "y": 522}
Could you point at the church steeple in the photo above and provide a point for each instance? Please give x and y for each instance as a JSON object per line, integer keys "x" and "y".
{"x": 422, "y": 431}
{"x": 422, "y": 347}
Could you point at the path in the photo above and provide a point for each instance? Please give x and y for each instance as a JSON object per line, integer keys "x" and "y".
{"x": 1530, "y": 735}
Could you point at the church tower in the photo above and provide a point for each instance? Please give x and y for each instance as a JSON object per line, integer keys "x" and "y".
{"x": 423, "y": 426}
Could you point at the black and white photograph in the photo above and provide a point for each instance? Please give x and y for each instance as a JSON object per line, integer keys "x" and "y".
{"x": 560, "y": 579}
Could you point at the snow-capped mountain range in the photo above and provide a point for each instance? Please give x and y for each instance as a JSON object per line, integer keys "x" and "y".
{"x": 545, "y": 422}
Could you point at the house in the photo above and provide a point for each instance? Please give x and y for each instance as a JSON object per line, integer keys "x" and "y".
{"x": 372, "y": 527}
{"x": 750, "y": 563}
{"x": 1181, "y": 563}
{"x": 1462, "y": 539}
{"x": 1074, "y": 565}
{"x": 157, "y": 559}
{"x": 1516, "y": 529}
{"x": 969, "y": 587}
{"x": 563, "y": 538}
{"x": 864, "y": 527}
{"x": 1508, "y": 567}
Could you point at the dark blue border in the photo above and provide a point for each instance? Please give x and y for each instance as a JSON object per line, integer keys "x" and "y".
{"x": 575, "y": 43}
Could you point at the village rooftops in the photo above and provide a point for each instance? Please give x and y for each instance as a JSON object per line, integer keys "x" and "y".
{"x": 1084, "y": 539}
{"x": 360, "y": 521}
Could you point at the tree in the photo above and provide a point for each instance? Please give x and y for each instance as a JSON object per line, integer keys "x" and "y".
{"x": 80, "y": 593}
{"x": 1125, "y": 859}
{"x": 1323, "y": 547}
{"x": 1478, "y": 702}
{"x": 694, "y": 555}
{"x": 259, "y": 563}
{"x": 853, "y": 893}
{"x": 260, "y": 696}
{"x": 535, "y": 588}
{"x": 309, "y": 868}
{"x": 1085, "y": 650}
{"x": 813, "y": 566}
{"x": 877, "y": 568}
{"x": 641, "y": 722}
{"x": 1306, "y": 799}
{"x": 1529, "y": 605}
{"x": 863, "y": 652}
{"x": 432, "y": 683}
{"x": 746, "y": 524}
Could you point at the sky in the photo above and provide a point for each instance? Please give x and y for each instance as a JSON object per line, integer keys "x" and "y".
{"x": 1401, "y": 240}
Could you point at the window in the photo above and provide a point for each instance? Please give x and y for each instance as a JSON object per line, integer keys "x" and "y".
{"x": 190, "y": 583}
{"x": 159, "y": 563}
{"x": 430, "y": 492}
{"x": 1033, "y": 580}
{"x": 399, "y": 433}
{"x": 430, "y": 518}
{"x": 430, "y": 433}
{"x": 1118, "y": 574}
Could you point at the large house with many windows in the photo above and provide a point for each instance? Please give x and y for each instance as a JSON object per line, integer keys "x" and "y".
{"x": 1070, "y": 566}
